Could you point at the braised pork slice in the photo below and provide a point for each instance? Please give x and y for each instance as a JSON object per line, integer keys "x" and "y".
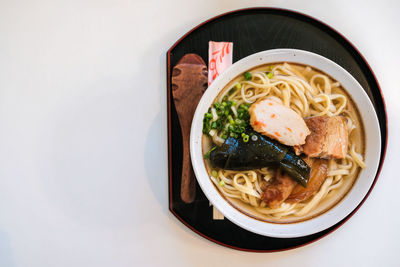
{"x": 328, "y": 139}
{"x": 319, "y": 171}
{"x": 277, "y": 192}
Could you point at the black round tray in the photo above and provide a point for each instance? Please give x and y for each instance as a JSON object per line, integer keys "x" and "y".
{"x": 253, "y": 30}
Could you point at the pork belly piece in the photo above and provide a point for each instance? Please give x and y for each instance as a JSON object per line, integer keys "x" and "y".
{"x": 269, "y": 117}
{"x": 329, "y": 138}
{"x": 277, "y": 192}
{"x": 319, "y": 171}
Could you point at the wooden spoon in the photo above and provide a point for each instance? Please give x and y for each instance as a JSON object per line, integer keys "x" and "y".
{"x": 189, "y": 81}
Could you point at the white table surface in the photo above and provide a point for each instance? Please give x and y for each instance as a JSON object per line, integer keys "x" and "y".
{"x": 83, "y": 126}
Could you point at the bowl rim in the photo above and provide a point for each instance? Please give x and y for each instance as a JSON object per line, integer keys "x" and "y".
{"x": 372, "y": 148}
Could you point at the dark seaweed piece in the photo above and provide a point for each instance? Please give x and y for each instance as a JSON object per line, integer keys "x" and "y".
{"x": 296, "y": 168}
{"x": 260, "y": 151}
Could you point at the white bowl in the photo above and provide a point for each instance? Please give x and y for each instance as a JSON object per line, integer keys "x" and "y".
{"x": 359, "y": 189}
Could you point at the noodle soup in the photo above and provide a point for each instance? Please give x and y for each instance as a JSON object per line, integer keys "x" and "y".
{"x": 308, "y": 92}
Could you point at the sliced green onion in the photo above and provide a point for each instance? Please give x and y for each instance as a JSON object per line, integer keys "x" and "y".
{"x": 224, "y": 119}
{"x": 244, "y": 106}
{"x": 238, "y": 86}
{"x": 221, "y": 183}
{"x": 247, "y": 76}
{"x": 246, "y": 138}
{"x": 207, "y": 155}
{"x": 214, "y": 173}
{"x": 231, "y": 121}
{"x": 233, "y": 89}
{"x": 234, "y": 111}
{"x": 270, "y": 75}
{"x": 214, "y": 113}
